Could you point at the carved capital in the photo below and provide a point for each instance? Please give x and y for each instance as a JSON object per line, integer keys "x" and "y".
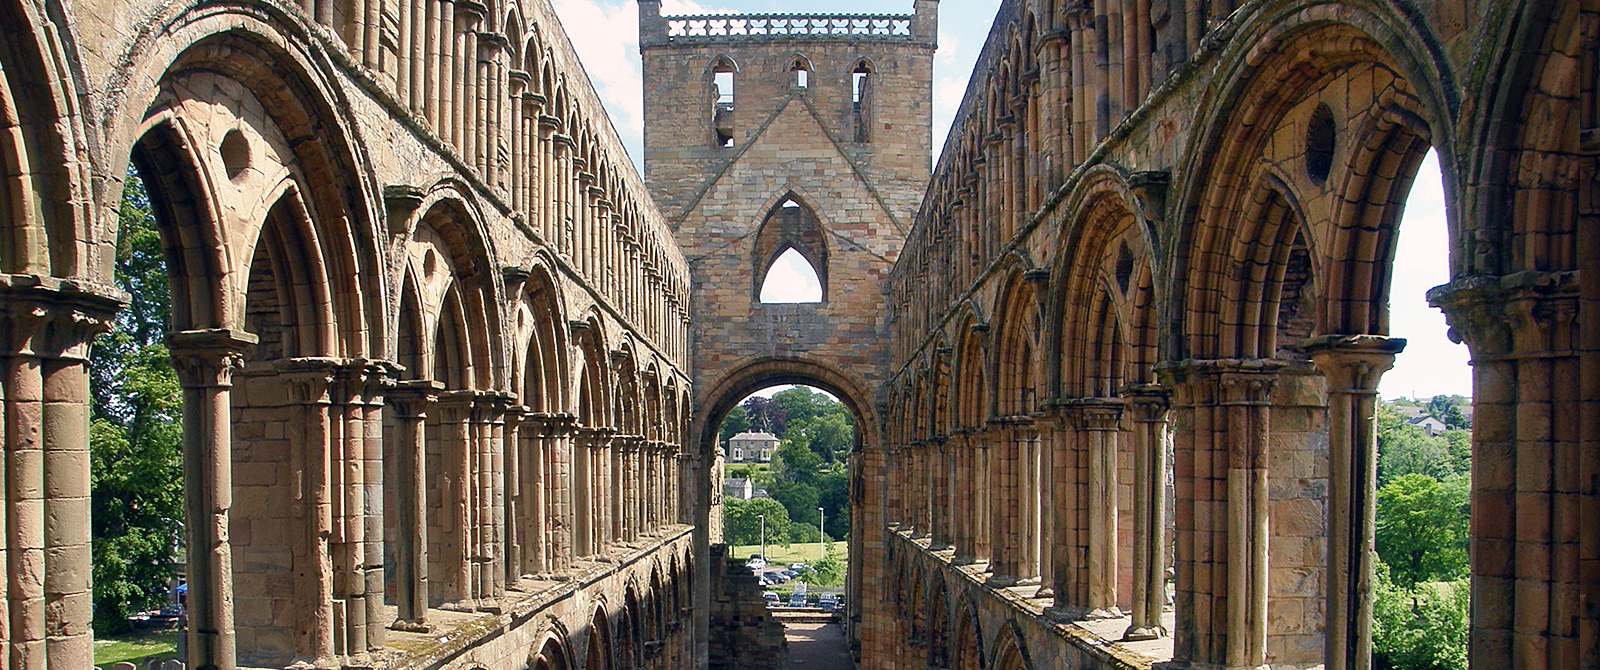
{"x": 1222, "y": 381}
{"x": 48, "y": 317}
{"x": 1522, "y": 312}
{"x": 1353, "y": 363}
{"x": 309, "y": 379}
{"x": 207, "y": 358}
{"x": 412, "y": 399}
{"x": 1094, "y": 414}
{"x": 1147, "y": 403}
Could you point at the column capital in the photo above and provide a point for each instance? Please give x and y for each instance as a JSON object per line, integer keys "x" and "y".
{"x": 491, "y": 406}
{"x": 1147, "y": 402}
{"x": 310, "y": 379}
{"x": 362, "y": 381}
{"x": 1236, "y": 381}
{"x": 55, "y": 318}
{"x": 206, "y": 358}
{"x": 1098, "y": 414}
{"x": 1353, "y": 363}
{"x": 413, "y": 398}
{"x": 1515, "y": 312}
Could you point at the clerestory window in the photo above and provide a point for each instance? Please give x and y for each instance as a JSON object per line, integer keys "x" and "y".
{"x": 861, "y": 101}
{"x": 722, "y": 84}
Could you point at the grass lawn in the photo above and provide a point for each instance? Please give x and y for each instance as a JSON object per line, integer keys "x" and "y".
{"x": 135, "y": 647}
{"x": 799, "y": 552}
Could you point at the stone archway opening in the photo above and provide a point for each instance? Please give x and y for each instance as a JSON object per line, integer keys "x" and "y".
{"x": 799, "y": 379}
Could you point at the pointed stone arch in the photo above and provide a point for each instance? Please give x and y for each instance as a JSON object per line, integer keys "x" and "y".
{"x": 790, "y": 223}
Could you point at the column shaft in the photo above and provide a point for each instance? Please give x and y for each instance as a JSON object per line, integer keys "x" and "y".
{"x": 205, "y": 361}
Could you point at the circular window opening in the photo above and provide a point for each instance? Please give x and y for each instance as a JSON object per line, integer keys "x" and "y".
{"x": 1320, "y": 137}
{"x": 235, "y": 154}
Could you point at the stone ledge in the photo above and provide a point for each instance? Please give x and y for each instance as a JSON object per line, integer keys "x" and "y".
{"x": 1097, "y": 639}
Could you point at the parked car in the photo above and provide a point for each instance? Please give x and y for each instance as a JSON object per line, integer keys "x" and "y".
{"x": 797, "y": 600}
{"x": 828, "y": 600}
{"x": 797, "y": 567}
{"x": 770, "y": 597}
{"x": 755, "y": 563}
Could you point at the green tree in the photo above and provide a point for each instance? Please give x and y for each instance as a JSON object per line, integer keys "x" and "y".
{"x": 1447, "y": 408}
{"x": 737, "y": 421}
{"x": 832, "y": 436}
{"x": 826, "y": 572}
{"x": 803, "y": 404}
{"x": 1404, "y": 449}
{"x": 796, "y": 463}
{"x": 833, "y": 488}
{"x": 741, "y": 521}
{"x": 136, "y": 439}
{"x": 803, "y": 532}
{"x": 1422, "y": 628}
{"x": 1411, "y": 451}
{"x": 1422, "y": 529}
{"x": 800, "y": 499}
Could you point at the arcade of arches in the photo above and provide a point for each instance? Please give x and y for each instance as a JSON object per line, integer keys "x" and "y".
{"x": 449, "y": 363}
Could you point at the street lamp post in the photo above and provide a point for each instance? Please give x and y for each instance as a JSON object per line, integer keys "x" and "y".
{"x": 763, "y": 536}
{"x": 822, "y": 529}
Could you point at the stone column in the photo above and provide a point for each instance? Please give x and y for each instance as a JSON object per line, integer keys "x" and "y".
{"x": 1223, "y": 414}
{"x": 314, "y": 464}
{"x": 939, "y": 476}
{"x": 1006, "y": 552}
{"x": 983, "y": 495}
{"x": 581, "y": 497}
{"x": 517, "y": 469}
{"x": 455, "y": 513}
{"x": 487, "y": 497}
{"x": 962, "y": 498}
{"x": 1147, "y": 407}
{"x": 1535, "y": 461}
{"x": 47, "y": 327}
{"x": 411, "y": 402}
{"x": 379, "y": 377}
{"x": 1030, "y": 509}
{"x": 561, "y": 525}
{"x": 533, "y": 482}
{"x": 205, "y": 361}
{"x": 1100, "y": 423}
{"x": 1353, "y": 364}
{"x": 357, "y": 537}
{"x": 1067, "y": 578}
{"x": 1047, "y": 429}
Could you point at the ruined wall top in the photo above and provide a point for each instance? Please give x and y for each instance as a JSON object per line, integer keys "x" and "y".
{"x": 919, "y": 27}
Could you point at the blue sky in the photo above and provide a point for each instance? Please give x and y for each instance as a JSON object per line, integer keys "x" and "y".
{"x": 606, "y": 34}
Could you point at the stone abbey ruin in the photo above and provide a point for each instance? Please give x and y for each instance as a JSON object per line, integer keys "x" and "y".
{"x": 452, "y": 369}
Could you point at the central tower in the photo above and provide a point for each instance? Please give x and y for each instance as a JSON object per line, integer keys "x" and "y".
{"x": 770, "y": 132}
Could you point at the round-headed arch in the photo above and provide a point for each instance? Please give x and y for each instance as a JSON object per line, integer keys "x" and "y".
{"x": 725, "y": 393}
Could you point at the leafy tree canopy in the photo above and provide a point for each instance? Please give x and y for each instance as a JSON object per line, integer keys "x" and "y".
{"x": 738, "y": 421}
{"x": 1422, "y": 529}
{"x": 136, "y": 438}
{"x": 741, "y": 521}
{"x": 1422, "y": 628}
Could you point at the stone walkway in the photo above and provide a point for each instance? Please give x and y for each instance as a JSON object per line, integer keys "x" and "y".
{"x": 818, "y": 646}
